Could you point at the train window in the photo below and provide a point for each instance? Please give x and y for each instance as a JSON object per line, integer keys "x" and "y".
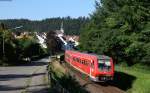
{"x": 77, "y": 59}
{"x": 86, "y": 62}
{"x": 104, "y": 64}
{"x": 82, "y": 62}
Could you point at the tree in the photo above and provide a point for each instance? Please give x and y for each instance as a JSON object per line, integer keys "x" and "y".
{"x": 53, "y": 42}
{"x": 16, "y": 50}
{"x": 119, "y": 28}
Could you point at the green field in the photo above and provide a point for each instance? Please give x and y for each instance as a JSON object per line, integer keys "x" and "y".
{"x": 133, "y": 80}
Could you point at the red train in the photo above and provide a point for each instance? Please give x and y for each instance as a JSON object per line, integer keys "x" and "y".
{"x": 97, "y": 67}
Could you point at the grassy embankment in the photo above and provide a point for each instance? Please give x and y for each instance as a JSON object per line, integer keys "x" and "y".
{"x": 129, "y": 79}
{"x": 60, "y": 74}
{"x": 133, "y": 79}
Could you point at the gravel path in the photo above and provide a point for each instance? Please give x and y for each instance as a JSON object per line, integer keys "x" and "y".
{"x": 30, "y": 78}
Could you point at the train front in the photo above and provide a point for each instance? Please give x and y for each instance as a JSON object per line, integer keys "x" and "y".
{"x": 105, "y": 68}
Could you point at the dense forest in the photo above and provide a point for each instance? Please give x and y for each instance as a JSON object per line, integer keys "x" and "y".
{"x": 71, "y": 25}
{"x": 121, "y": 29}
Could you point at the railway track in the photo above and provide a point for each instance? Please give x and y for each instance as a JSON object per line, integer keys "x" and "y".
{"x": 92, "y": 87}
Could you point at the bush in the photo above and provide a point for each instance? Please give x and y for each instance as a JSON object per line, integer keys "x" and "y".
{"x": 16, "y": 50}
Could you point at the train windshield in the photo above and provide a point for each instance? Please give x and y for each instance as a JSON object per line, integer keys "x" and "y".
{"x": 104, "y": 64}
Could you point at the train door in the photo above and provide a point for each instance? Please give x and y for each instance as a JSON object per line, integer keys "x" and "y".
{"x": 91, "y": 68}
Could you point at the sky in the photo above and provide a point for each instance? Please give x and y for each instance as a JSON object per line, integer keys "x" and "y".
{"x": 41, "y": 9}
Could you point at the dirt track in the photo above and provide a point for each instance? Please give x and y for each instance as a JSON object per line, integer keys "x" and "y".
{"x": 93, "y": 87}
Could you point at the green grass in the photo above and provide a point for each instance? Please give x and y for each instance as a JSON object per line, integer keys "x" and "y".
{"x": 141, "y": 82}
{"x": 61, "y": 76}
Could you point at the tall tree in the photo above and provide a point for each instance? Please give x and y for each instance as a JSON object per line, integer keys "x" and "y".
{"x": 53, "y": 43}
{"x": 116, "y": 29}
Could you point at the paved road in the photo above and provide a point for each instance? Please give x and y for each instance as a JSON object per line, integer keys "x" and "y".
{"x": 30, "y": 78}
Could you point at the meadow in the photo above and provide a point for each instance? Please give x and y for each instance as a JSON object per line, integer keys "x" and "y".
{"x": 136, "y": 79}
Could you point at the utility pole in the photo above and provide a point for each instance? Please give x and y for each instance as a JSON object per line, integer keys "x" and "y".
{"x": 3, "y": 29}
{"x": 3, "y": 43}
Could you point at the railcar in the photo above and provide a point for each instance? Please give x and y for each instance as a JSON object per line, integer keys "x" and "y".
{"x": 99, "y": 68}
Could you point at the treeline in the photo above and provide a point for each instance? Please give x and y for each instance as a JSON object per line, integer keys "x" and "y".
{"x": 71, "y": 25}
{"x": 121, "y": 29}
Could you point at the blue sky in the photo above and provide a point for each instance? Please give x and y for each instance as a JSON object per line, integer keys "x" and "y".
{"x": 41, "y": 9}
